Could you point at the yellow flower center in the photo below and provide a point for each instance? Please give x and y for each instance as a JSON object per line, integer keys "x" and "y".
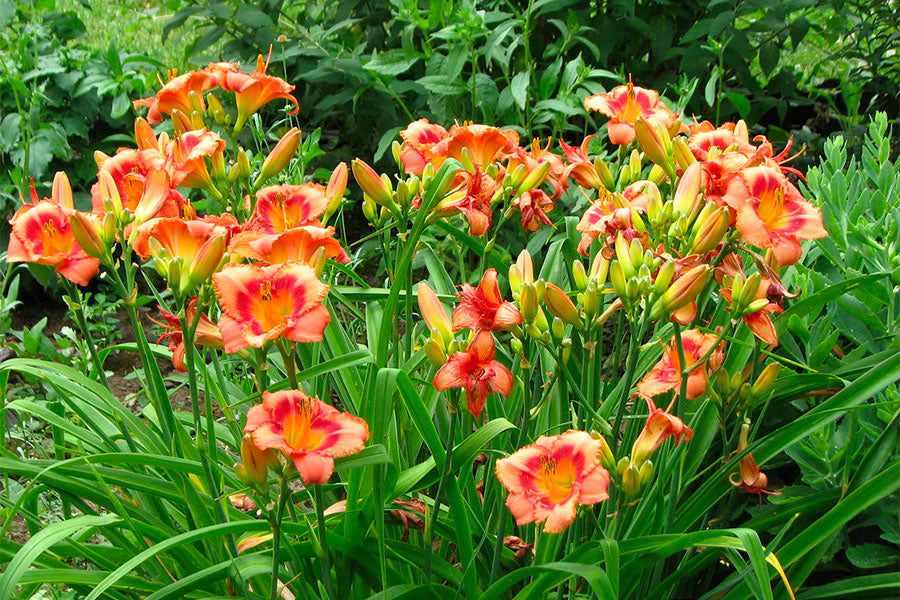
{"x": 297, "y": 429}
{"x": 556, "y": 479}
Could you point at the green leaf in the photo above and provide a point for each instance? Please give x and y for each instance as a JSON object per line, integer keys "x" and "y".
{"x": 872, "y": 556}
{"x": 740, "y": 102}
{"x": 519, "y": 88}
{"x": 392, "y": 62}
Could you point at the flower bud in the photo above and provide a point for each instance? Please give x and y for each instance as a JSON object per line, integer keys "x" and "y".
{"x": 370, "y": 210}
{"x": 195, "y": 101}
{"x": 143, "y": 135}
{"x": 525, "y": 266}
{"x": 617, "y": 279}
{"x": 561, "y": 305}
{"x": 174, "y": 269}
{"x": 558, "y": 329}
{"x": 435, "y": 352}
{"x": 579, "y": 275}
{"x": 687, "y": 195}
{"x": 607, "y": 459}
{"x": 317, "y": 261}
{"x": 216, "y": 110}
{"x": 755, "y": 306}
{"x": 110, "y": 192}
{"x": 254, "y": 466}
{"x": 539, "y": 286}
{"x": 371, "y": 183}
{"x": 741, "y": 132}
{"x": 646, "y": 472}
{"x": 535, "y": 178}
{"x": 334, "y": 192}
{"x": 710, "y": 230}
{"x": 623, "y": 254}
{"x": 765, "y": 382}
{"x": 241, "y": 168}
{"x": 748, "y": 292}
{"x": 86, "y": 228}
{"x": 604, "y": 174}
{"x": 634, "y": 165}
{"x": 280, "y": 155}
{"x": 682, "y": 154}
{"x": 465, "y": 157}
{"x": 683, "y": 291}
{"x": 664, "y": 278}
{"x": 657, "y": 175}
{"x": 591, "y": 300}
{"x": 631, "y": 481}
{"x": 528, "y": 302}
{"x": 653, "y": 141}
{"x": 181, "y": 122}
{"x": 434, "y": 313}
{"x": 109, "y": 229}
{"x": 636, "y": 253}
{"x": 599, "y": 269}
{"x": 624, "y": 175}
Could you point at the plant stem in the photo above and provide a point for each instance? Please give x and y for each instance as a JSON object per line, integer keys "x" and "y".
{"x": 323, "y": 537}
{"x": 283, "y": 497}
{"x": 77, "y": 308}
{"x": 445, "y": 473}
{"x": 287, "y": 354}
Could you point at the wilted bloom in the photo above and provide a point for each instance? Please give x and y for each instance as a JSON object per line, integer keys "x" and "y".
{"x": 434, "y": 313}
{"x": 283, "y": 207}
{"x": 751, "y": 478}
{"x": 477, "y": 372}
{"x": 483, "y": 307}
{"x": 418, "y": 139}
{"x": 252, "y": 91}
{"x": 534, "y": 206}
{"x": 308, "y": 431}
{"x": 297, "y": 244}
{"x": 473, "y": 200}
{"x": 175, "y": 95}
{"x": 666, "y": 374}
{"x": 550, "y": 478}
{"x": 42, "y": 234}
{"x": 264, "y": 303}
{"x": 624, "y": 104}
{"x": 207, "y": 333}
{"x": 659, "y": 426}
{"x": 773, "y": 214}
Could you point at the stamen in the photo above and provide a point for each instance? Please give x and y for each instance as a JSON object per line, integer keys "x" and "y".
{"x": 265, "y": 290}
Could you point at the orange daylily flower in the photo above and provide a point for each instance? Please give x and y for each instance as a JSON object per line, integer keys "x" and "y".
{"x": 264, "y": 303}
{"x": 477, "y": 372}
{"x": 771, "y": 213}
{"x": 200, "y": 246}
{"x": 473, "y": 200}
{"x": 174, "y": 95}
{"x": 721, "y": 139}
{"x": 297, "y": 244}
{"x": 550, "y": 478}
{"x": 580, "y": 167}
{"x": 207, "y": 333}
{"x": 186, "y": 157}
{"x": 308, "y": 431}
{"x": 666, "y": 374}
{"x": 533, "y": 159}
{"x": 624, "y": 104}
{"x": 534, "y": 206}
{"x": 751, "y": 478}
{"x": 483, "y": 307}
{"x": 253, "y": 90}
{"x": 659, "y": 426}
{"x": 419, "y": 138}
{"x": 607, "y": 215}
{"x": 42, "y": 234}
{"x": 283, "y": 207}
{"x": 483, "y": 143}
{"x": 132, "y": 172}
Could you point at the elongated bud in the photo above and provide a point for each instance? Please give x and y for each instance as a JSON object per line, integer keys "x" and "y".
{"x": 181, "y": 122}
{"x": 604, "y": 174}
{"x": 370, "y": 210}
{"x": 155, "y": 193}
{"x": 435, "y": 352}
{"x": 765, "y": 382}
{"x": 334, "y": 192}
{"x": 254, "y": 467}
{"x": 664, "y": 278}
{"x": 280, "y": 155}
{"x": 216, "y": 110}
{"x": 144, "y": 135}
{"x": 241, "y": 168}
{"x": 465, "y": 157}
{"x": 561, "y": 305}
{"x": 634, "y": 165}
{"x": 646, "y": 472}
{"x": 617, "y": 278}
{"x": 607, "y": 459}
{"x": 317, "y": 261}
{"x": 687, "y": 195}
{"x": 557, "y": 329}
{"x": 623, "y": 254}
{"x": 218, "y": 165}
{"x": 653, "y": 142}
{"x": 579, "y": 275}
{"x": 599, "y": 269}
{"x": 515, "y": 178}
{"x": 86, "y": 229}
{"x": 749, "y": 291}
{"x": 528, "y": 301}
{"x": 682, "y": 154}
{"x": 683, "y": 291}
{"x": 636, "y": 253}
{"x": 109, "y": 191}
{"x": 591, "y": 300}
{"x": 206, "y": 262}
{"x": 525, "y": 266}
{"x": 631, "y": 481}
{"x": 741, "y": 132}
{"x": 534, "y": 179}
{"x": 710, "y": 231}
{"x": 195, "y": 101}
{"x": 109, "y": 229}
{"x": 371, "y": 183}
{"x": 434, "y": 313}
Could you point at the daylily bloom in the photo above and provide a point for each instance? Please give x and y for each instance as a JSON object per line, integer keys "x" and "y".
{"x": 483, "y": 143}
{"x": 132, "y": 171}
{"x": 187, "y": 154}
{"x": 418, "y": 139}
{"x": 283, "y": 207}
{"x": 252, "y": 91}
{"x": 722, "y": 140}
{"x": 198, "y": 244}
{"x": 774, "y": 215}
{"x": 297, "y": 244}
{"x": 533, "y": 159}
{"x": 42, "y": 234}
{"x": 483, "y": 307}
{"x": 306, "y": 430}
{"x": 550, "y": 478}
{"x": 659, "y": 426}
{"x": 580, "y": 167}
{"x": 607, "y": 215}
{"x": 264, "y": 303}
{"x": 624, "y": 104}
{"x": 473, "y": 200}
{"x": 477, "y": 372}
{"x": 206, "y": 334}
{"x": 174, "y": 95}
{"x": 534, "y": 206}
{"x": 666, "y": 374}
{"x": 751, "y": 478}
